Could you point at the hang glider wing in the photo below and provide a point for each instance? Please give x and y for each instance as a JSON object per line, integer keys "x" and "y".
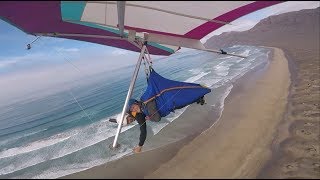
{"x": 166, "y": 25}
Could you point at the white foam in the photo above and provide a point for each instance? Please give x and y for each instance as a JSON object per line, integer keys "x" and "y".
{"x": 226, "y": 57}
{"x": 221, "y": 101}
{"x": 33, "y": 146}
{"x": 79, "y": 138}
{"x": 210, "y": 82}
{"x": 245, "y": 53}
{"x": 172, "y": 116}
{"x": 235, "y": 46}
{"x": 225, "y": 95}
{"x": 197, "y": 77}
{"x": 57, "y": 172}
{"x": 195, "y": 71}
{"x": 156, "y": 126}
{"x": 221, "y": 70}
{"x": 21, "y": 136}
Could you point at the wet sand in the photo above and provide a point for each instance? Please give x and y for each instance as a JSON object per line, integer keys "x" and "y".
{"x": 237, "y": 145}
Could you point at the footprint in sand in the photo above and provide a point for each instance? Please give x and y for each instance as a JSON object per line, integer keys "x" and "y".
{"x": 312, "y": 114}
{"x": 308, "y": 124}
{"x": 305, "y": 132}
{"x": 306, "y": 105}
{"x": 309, "y": 114}
{"x": 311, "y": 150}
{"x": 305, "y": 129}
{"x": 312, "y": 165}
{"x": 302, "y": 102}
{"x": 316, "y": 164}
{"x": 290, "y": 167}
{"x": 300, "y": 147}
{"x": 316, "y": 167}
{"x": 303, "y": 91}
{"x": 294, "y": 168}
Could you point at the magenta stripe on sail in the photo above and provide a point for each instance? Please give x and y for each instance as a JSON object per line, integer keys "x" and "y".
{"x": 204, "y": 29}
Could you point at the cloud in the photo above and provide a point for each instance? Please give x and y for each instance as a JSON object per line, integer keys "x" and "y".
{"x": 39, "y": 81}
{"x": 4, "y": 64}
{"x": 57, "y": 39}
{"x": 67, "y": 49}
{"x": 118, "y": 52}
{"x": 27, "y": 58}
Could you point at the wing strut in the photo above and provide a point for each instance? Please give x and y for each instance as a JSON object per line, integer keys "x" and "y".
{"x": 132, "y": 83}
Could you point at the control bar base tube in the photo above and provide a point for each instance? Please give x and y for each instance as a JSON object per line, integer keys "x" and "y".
{"x": 132, "y": 83}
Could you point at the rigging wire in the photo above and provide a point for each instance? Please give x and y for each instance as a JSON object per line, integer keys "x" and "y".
{"x": 75, "y": 99}
{"x": 29, "y": 45}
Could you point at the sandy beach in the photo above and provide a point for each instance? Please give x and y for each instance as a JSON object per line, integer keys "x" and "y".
{"x": 237, "y": 145}
{"x": 296, "y": 147}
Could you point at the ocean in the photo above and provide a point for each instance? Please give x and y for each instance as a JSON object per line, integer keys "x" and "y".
{"x": 55, "y": 135}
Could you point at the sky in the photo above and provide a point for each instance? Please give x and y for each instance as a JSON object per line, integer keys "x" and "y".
{"x": 55, "y": 60}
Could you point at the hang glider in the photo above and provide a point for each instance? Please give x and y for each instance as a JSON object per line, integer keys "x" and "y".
{"x": 165, "y": 25}
{"x": 152, "y": 27}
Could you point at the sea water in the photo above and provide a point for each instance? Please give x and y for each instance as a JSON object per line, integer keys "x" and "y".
{"x": 69, "y": 131}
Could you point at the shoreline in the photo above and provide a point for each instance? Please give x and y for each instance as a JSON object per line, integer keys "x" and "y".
{"x": 232, "y": 149}
{"x": 149, "y": 160}
{"x": 282, "y": 129}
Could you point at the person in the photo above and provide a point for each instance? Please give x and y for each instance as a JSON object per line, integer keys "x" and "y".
{"x": 135, "y": 110}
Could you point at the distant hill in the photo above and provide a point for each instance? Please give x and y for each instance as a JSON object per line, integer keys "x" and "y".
{"x": 297, "y": 29}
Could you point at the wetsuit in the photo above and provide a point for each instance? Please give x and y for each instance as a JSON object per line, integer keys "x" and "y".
{"x": 141, "y": 119}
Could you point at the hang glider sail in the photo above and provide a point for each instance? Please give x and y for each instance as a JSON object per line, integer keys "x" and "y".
{"x": 165, "y": 25}
{"x": 148, "y": 27}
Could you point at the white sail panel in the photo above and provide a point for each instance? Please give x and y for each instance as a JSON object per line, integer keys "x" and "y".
{"x": 176, "y": 17}
{"x": 101, "y": 13}
{"x": 205, "y": 9}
